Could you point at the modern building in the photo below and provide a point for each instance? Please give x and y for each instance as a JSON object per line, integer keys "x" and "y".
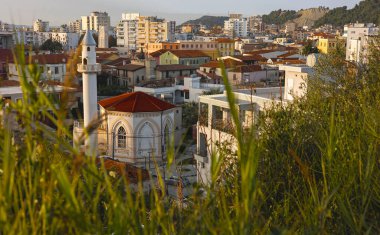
{"x": 126, "y": 31}
{"x": 236, "y": 26}
{"x": 358, "y": 37}
{"x": 103, "y": 37}
{"x": 6, "y": 40}
{"x": 95, "y": 20}
{"x": 182, "y": 90}
{"x": 151, "y": 29}
{"x": 41, "y": 26}
{"x": 295, "y": 80}
{"x": 75, "y": 26}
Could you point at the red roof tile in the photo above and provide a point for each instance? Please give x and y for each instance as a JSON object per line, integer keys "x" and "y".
{"x": 8, "y": 83}
{"x": 135, "y": 102}
{"x": 228, "y": 63}
{"x": 6, "y": 55}
{"x": 131, "y": 67}
{"x": 174, "y": 67}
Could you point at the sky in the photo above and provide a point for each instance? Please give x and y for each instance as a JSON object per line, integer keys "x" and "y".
{"x": 59, "y": 12}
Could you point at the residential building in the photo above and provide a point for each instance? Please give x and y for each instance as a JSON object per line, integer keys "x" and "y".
{"x": 181, "y": 90}
{"x": 215, "y": 126}
{"x": 52, "y": 67}
{"x": 248, "y": 74}
{"x": 75, "y": 26}
{"x": 156, "y": 46}
{"x": 226, "y": 46}
{"x": 103, "y": 37}
{"x": 131, "y": 74}
{"x": 358, "y": 37}
{"x": 95, "y": 20}
{"x": 295, "y": 80}
{"x": 151, "y": 29}
{"x": 326, "y": 45}
{"x": 236, "y": 26}
{"x": 184, "y": 57}
{"x": 290, "y": 27}
{"x": 173, "y": 71}
{"x": 210, "y": 48}
{"x": 6, "y": 56}
{"x": 126, "y": 31}
{"x": 41, "y": 26}
{"x": 6, "y": 40}
{"x": 255, "y": 24}
{"x": 69, "y": 41}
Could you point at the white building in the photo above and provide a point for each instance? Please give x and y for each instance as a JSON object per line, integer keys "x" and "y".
{"x": 41, "y": 26}
{"x": 103, "y": 37}
{"x": 75, "y": 26}
{"x": 295, "y": 80}
{"x": 215, "y": 125}
{"x": 358, "y": 36}
{"x": 69, "y": 41}
{"x": 236, "y": 26}
{"x": 183, "y": 90}
{"x": 126, "y": 31}
{"x": 95, "y": 20}
{"x": 136, "y": 128}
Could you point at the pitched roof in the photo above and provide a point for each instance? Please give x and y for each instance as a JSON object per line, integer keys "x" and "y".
{"x": 8, "y": 83}
{"x": 247, "y": 69}
{"x": 174, "y": 67}
{"x": 224, "y": 40}
{"x": 49, "y": 59}
{"x": 88, "y": 40}
{"x": 158, "y": 53}
{"x": 228, "y": 63}
{"x": 130, "y": 172}
{"x": 131, "y": 67}
{"x": 254, "y": 57}
{"x": 189, "y": 53}
{"x": 135, "y": 102}
{"x": 6, "y": 55}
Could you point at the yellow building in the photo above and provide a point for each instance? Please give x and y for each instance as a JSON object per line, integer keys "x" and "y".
{"x": 225, "y": 46}
{"x": 325, "y": 45}
{"x": 156, "y": 46}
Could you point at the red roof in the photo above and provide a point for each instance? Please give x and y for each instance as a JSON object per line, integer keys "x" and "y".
{"x": 135, "y": 102}
{"x": 8, "y": 83}
{"x": 6, "y": 55}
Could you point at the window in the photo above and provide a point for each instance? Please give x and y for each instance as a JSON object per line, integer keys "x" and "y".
{"x": 88, "y": 49}
{"x": 121, "y": 138}
{"x": 56, "y": 70}
{"x": 187, "y": 95}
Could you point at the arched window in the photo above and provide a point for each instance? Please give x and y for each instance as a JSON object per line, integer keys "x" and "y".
{"x": 88, "y": 49}
{"x": 84, "y": 61}
{"x": 121, "y": 138}
{"x": 166, "y": 135}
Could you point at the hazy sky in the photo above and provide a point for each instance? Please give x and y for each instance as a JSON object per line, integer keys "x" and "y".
{"x": 58, "y": 12}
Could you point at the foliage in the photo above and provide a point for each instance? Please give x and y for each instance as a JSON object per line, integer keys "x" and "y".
{"x": 367, "y": 11}
{"x": 209, "y": 21}
{"x": 309, "y": 167}
{"x": 189, "y": 114}
{"x": 53, "y": 46}
{"x": 309, "y": 49}
{"x": 280, "y": 17}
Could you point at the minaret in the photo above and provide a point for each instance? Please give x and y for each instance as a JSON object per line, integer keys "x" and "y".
{"x": 89, "y": 69}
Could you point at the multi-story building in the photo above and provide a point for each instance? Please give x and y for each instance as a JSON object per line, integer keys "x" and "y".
{"x": 75, "y": 26}
{"x": 151, "y": 29}
{"x": 95, "y": 20}
{"x": 41, "y": 26}
{"x": 156, "y": 46}
{"x": 226, "y": 47}
{"x": 255, "y": 24}
{"x": 6, "y": 40}
{"x": 210, "y": 48}
{"x": 126, "y": 31}
{"x": 236, "y": 26}
{"x": 358, "y": 36}
{"x": 326, "y": 45}
{"x": 295, "y": 80}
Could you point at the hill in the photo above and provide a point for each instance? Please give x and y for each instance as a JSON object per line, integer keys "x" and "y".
{"x": 302, "y": 17}
{"x": 209, "y": 21}
{"x": 366, "y": 11}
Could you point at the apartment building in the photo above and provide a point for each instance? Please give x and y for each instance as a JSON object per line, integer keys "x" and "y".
{"x": 41, "y": 26}
{"x": 126, "y": 31}
{"x": 295, "y": 80}
{"x": 95, "y": 20}
{"x": 75, "y": 26}
{"x": 156, "y": 46}
{"x": 358, "y": 37}
{"x": 236, "y": 26}
{"x": 151, "y": 29}
{"x": 226, "y": 46}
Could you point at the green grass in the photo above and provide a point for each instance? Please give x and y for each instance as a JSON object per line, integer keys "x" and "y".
{"x": 314, "y": 169}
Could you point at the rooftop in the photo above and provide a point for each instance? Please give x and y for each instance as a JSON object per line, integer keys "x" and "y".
{"x": 135, "y": 102}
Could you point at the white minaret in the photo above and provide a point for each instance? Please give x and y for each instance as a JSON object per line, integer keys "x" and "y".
{"x": 89, "y": 69}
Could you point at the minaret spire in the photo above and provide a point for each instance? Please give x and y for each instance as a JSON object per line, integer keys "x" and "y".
{"x": 89, "y": 69}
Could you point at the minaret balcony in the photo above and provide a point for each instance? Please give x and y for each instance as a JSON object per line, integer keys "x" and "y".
{"x": 89, "y": 68}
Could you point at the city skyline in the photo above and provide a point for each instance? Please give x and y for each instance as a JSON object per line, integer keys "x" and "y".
{"x": 58, "y": 13}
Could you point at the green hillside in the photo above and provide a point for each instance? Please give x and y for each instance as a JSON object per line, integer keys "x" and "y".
{"x": 209, "y": 21}
{"x": 280, "y": 16}
{"x": 367, "y": 11}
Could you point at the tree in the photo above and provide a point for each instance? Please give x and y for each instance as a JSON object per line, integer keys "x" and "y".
{"x": 53, "y": 46}
{"x": 309, "y": 49}
{"x": 111, "y": 41}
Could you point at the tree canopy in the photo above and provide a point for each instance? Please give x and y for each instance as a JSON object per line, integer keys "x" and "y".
{"x": 53, "y": 46}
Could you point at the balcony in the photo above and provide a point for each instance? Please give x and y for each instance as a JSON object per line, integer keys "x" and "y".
{"x": 89, "y": 68}
{"x": 223, "y": 125}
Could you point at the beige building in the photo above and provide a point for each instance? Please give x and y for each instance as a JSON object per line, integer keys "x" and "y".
{"x": 95, "y": 20}
{"x": 41, "y": 26}
{"x": 152, "y": 29}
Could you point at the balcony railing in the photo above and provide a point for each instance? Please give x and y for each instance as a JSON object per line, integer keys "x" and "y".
{"x": 223, "y": 125}
{"x": 94, "y": 68}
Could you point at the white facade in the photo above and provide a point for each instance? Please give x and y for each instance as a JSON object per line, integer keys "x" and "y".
{"x": 103, "y": 37}
{"x": 95, "y": 20}
{"x": 188, "y": 91}
{"x": 126, "y": 31}
{"x": 357, "y": 40}
{"x": 215, "y": 125}
{"x": 69, "y": 41}
{"x": 89, "y": 69}
{"x": 75, "y": 26}
{"x": 41, "y": 26}
{"x": 295, "y": 80}
{"x": 236, "y": 27}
